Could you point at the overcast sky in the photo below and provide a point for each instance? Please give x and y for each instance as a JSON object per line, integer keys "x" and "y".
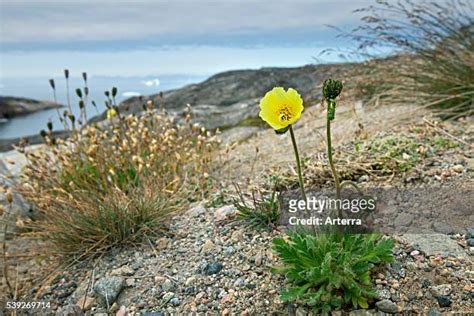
{"x": 153, "y": 36}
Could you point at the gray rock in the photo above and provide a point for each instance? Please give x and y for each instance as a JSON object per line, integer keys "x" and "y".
{"x": 403, "y": 220}
{"x": 387, "y": 306}
{"x": 212, "y": 268}
{"x": 443, "y": 289}
{"x": 443, "y": 228}
{"x": 435, "y": 244}
{"x": 167, "y": 297}
{"x": 240, "y": 282}
{"x": 228, "y": 251}
{"x": 434, "y": 312}
{"x": 175, "y": 301}
{"x": 167, "y": 285}
{"x": 469, "y": 232}
{"x": 443, "y": 300}
{"x": 470, "y": 242}
{"x": 108, "y": 289}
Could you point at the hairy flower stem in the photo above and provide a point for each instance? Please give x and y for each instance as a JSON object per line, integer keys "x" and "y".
{"x": 298, "y": 163}
{"x": 331, "y": 164}
{"x": 300, "y": 175}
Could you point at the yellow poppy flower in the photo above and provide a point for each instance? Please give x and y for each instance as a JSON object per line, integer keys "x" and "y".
{"x": 111, "y": 113}
{"x": 280, "y": 108}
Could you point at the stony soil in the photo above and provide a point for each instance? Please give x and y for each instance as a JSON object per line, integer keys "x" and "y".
{"x": 209, "y": 263}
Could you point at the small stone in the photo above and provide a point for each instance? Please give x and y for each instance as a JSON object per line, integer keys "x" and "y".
{"x": 229, "y": 251}
{"x": 470, "y": 242}
{"x": 85, "y": 302}
{"x": 458, "y": 168}
{"x": 403, "y": 219}
{"x": 383, "y": 294}
{"x": 363, "y": 178}
{"x": 167, "y": 285}
{"x": 207, "y": 247}
{"x": 470, "y": 232}
{"x": 240, "y": 282}
{"x": 200, "y": 295}
{"x": 197, "y": 210}
{"x": 123, "y": 271}
{"x": 237, "y": 236}
{"x": 225, "y": 212}
{"x": 387, "y": 306}
{"x": 167, "y": 297}
{"x": 442, "y": 228}
{"x": 441, "y": 290}
{"x": 258, "y": 259}
{"x": 107, "y": 289}
{"x": 190, "y": 281}
{"x": 162, "y": 243}
{"x": 434, "y": 312}
{"x": 175, "y": 301}
{"x": 443, "y": 301}
{"x": 212, "y": 268}
{"x": 414, "y": 253}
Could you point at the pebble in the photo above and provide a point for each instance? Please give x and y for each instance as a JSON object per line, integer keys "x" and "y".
{"x": 240, "y": 282}
{"x": 229, "y": 251}
{"x": 225, "y": 212}
{"x": 212, "y": 268}
{"x": 458, "y": 168}
{"x": 443, "y": 301}
{"x": 387, "y": 306}
{"x": 167, "y": 285}
{"x": 208, "y": 246}
{"x": 107, "y": 289}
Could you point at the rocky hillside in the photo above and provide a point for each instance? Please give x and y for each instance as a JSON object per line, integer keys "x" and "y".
{"x": 12, "y": 106}
{"x": 228, "y": 98}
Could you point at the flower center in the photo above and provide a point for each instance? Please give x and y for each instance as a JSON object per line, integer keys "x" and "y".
{"x": 285, "y": 114}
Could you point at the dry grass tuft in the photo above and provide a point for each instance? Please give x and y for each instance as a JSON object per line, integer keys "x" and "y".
{"x": 432, "y": 61}
{"x": 118, "y": 182}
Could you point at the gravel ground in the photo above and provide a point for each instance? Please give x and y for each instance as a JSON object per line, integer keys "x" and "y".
{"x": 209, "y": 264}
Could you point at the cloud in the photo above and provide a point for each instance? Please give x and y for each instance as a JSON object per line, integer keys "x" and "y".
{"x": 129, "y": 94}
{"x": 83, "y": 20}
{"x": 151, "y": 83}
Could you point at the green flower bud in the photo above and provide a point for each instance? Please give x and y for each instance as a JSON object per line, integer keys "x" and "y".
{"x": 50, "y": 126}
{"x": 107, "y": 94}
{"x": 66, "y": 73}
{"x": 81, "y": 104}
{"x": 84, "y": 76}
{"x": 332, "y": 88}
{"x": 43, "y": 133}
{"x": 51, "y": 83}
{"x": 79, "y": 92}
{"x": 114, "y": 91}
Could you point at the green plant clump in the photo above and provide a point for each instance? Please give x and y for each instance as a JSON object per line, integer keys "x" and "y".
{"x": 331, "y": 271}
{"x": 261, "y": 212}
